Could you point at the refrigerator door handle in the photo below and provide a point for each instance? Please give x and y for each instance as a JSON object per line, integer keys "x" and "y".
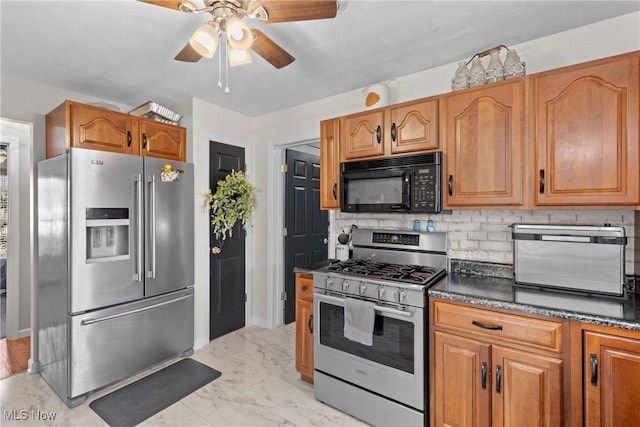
{"x": 151, "y": 273}
{"x": 91, "y": 321}
{"x": 139, "y": 227}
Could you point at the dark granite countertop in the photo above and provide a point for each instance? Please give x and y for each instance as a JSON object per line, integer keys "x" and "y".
{"x": 503, "y": 293}
{"x": 309, "y": 270}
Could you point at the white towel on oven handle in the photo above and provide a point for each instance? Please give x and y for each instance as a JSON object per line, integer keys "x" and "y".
{"x": 359, "y": 316}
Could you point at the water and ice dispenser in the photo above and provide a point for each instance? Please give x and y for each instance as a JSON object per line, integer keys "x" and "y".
{"x": 107, "y": 234}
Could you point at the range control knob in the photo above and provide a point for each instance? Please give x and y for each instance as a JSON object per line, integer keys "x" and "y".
{"x": 362, "y": 289}
{"x": 381, "y": 292}
{"x": 345, "y": 286}
{"x": 402, "y": 295}
{"x": 328, "y": 282}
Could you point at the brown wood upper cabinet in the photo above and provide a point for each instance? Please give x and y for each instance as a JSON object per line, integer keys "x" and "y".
{"x": 586, "y": 133}
{"x": 483, "y": 135}
{"x": 73, "y": 124}
{"x": 330, "y": 164}
{"x": 406, "y": 128}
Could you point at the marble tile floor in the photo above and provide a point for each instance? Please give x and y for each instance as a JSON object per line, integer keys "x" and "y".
{"x": 259, "y": 386}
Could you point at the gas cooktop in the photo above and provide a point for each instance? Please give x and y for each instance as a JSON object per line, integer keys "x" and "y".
{"x": 413, "y": 274}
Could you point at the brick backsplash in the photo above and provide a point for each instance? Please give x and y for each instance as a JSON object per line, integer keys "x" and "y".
{"x": 486, "y": 235}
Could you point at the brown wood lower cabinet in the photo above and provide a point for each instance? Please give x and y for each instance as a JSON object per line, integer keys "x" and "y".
{"x": 304, "y": 326}
{"x": 483, "y": 375}
{"x": 611, "y": 366}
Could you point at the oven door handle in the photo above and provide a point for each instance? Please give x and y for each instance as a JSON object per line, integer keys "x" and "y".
{"x": 377, "y": 308}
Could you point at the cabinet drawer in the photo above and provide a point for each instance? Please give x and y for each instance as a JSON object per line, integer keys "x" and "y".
{"x": 304, "y": 286}
{"x": 506, "y": 327}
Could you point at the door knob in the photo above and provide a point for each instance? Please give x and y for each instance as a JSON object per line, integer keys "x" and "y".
{"x": 325, "y": 240}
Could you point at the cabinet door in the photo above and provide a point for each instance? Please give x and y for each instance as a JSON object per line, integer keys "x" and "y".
{"x": 611, "y": 380}
{"x": 105, "y": 130}
{"x": 364, "y": 135}
{"x": 462, "y": 382}
{"x": 304, "y": 338}
{"x": 163, "y": 140}
{"x": 527, "y": 389}
{"x": 586, "y": 131}
{"x": 330, "y": 164}
{"x": 484, "y": 139}
{"x": 414, "y": 128}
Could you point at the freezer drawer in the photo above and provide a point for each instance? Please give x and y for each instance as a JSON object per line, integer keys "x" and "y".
{"x": 112, "y": 344}
{"x": 578, "y": 258}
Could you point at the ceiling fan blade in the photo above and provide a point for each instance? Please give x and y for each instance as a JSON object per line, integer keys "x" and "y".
{"x": 188, "y": 54}
{"x": 171, "y": 4}
{"x": 270, "y": 50}
{"x": 296, "y": 10}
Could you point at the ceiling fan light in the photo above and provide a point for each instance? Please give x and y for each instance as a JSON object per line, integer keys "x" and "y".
{"x": 205, "y": 40}
{"x": 239, "y": 57}
{"x": 238, "y": 33}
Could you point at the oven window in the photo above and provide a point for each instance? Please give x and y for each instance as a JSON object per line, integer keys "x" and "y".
{"x": 393, "y": 339}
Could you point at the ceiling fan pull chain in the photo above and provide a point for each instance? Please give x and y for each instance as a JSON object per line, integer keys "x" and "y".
{"x": 219, "y": 68}
{"x": 226, "y": 88}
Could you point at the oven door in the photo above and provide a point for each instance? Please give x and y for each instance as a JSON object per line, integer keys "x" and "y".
{"x": 392, "y": 367}
{"x": 379, "y": 190}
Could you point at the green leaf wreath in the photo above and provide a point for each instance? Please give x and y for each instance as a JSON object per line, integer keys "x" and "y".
{"x": 233, "y": 201}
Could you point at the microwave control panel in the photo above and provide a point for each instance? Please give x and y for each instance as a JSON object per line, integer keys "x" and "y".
{"x": 426, "y": 185}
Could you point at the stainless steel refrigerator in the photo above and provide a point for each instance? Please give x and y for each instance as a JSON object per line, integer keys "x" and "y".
{"x": 115, "y": 267}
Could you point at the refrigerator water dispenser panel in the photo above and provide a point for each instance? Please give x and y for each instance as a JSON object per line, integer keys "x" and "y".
{"x": 107, "y": 234}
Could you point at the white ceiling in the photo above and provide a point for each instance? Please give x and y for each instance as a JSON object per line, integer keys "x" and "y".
{"x": 123, "y": 50}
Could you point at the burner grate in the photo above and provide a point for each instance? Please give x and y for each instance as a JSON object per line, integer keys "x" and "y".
{"x": 414, "y": 274}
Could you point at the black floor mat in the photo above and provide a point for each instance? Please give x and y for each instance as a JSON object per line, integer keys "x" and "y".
{"x": 140, "y": 400}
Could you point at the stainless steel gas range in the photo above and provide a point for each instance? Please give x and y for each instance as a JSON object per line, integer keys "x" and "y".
{"x": 382, "y": 383}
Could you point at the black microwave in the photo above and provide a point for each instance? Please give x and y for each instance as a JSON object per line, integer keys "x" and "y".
{"x": 408, "y": 184}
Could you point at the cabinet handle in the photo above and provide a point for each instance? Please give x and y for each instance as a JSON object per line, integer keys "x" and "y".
{"x": 379, "y": 134}
{"x": 450, "y": 185}
{"x": 541, "y": 181}
{"x": 483, "y": 375}
{"x": 128, "y": 138}
{"x": 334, "y": 191}
{"x": 144, "y": 141}
{"x": 393, "y": 132}
{"x": 485, "y": 326}
{"x": 498, "y": 378}
{"x": 310, "y": 324}
{"x": 594, "y": 369}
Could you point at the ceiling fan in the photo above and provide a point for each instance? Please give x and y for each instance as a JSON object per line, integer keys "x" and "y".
{"x": 227, "y": 17}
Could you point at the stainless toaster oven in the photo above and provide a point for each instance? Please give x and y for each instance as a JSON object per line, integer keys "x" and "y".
{"x": 582, "y": 258}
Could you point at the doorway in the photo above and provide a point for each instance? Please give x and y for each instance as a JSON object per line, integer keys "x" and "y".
{"x": 307, "y": 225}
{"x": 227, "y": 295}
{"x": 11, "y": 134}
